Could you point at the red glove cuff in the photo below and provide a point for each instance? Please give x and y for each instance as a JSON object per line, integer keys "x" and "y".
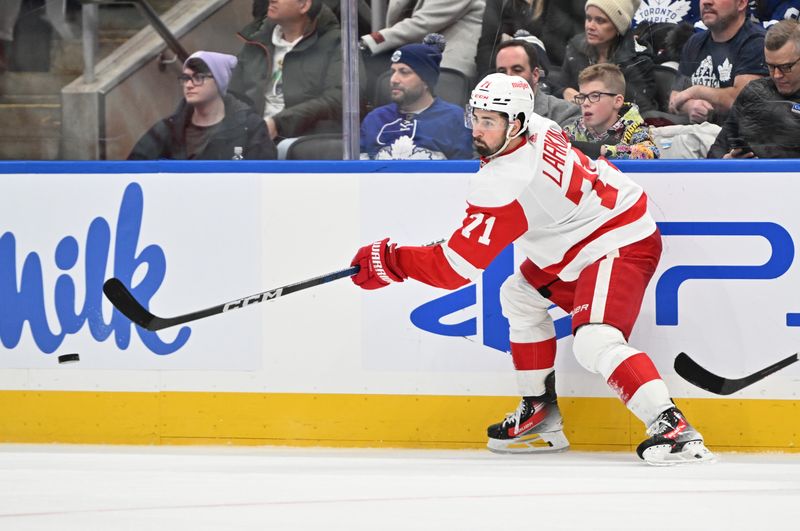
{"x": 379, "y": 265}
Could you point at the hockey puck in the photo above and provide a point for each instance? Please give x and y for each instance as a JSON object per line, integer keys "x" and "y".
{"x": 69, "y": 358}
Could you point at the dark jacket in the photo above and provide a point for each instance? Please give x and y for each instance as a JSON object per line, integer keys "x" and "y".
{"x": 762, "y": 119}
{"x": 312, "y": 76}
{"x": 636, "y": 66}
{"x": 240, "y": 127}
{"x": 559, "y": 21}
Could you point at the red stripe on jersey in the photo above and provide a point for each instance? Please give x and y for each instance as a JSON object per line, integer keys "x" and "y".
{"x": 486, "y": 231}
{"x": 429, "y": 265}
{"x": 636, "y": 211}
{"x": 631, "y": 374}
{"x": 534, "y": 356}
{"x": 483, "y": 234}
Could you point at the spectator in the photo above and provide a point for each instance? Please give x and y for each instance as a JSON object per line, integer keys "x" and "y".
{"x": 607, "y": 39}
{"x": 417, "y": 125}
{"x": 769, "y": 12}
{"x": 765, "y": 119}
{"x": 364, "y": 17}
{"x": 717, "y": 64}
{"x": 408, "y": 21}
{"x": 520, "y": 58}
{"x": 208, "y": 124}
{"x": 609, "y": 127}
{"x": 290, "y": 69}
{"x": 553, "y": 22}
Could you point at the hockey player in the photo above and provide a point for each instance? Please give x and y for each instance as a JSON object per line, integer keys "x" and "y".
{"x": 591, "y": 248}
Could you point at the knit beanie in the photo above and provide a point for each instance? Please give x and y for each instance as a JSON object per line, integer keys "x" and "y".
{"x": 619, "y": 12}
{"x": 423, "y": 59}
{"x": 221, "y": 66}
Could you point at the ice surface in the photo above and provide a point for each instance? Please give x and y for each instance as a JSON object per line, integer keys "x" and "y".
{"x": 64, "y": 488}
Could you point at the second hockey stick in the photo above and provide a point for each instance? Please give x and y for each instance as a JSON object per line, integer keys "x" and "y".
{"x": 692, "y": 372}
{"x": 126, "y": 303}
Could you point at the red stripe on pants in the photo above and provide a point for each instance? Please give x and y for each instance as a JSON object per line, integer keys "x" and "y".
{"x": 533, "y": 356}
{"x": 631, "y": 374}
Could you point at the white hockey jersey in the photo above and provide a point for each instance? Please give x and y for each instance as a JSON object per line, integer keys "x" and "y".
{"x": 563, "y": 210}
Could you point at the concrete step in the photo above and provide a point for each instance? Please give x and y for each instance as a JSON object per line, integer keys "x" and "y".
{"x": 40, "y": 148}
{"x": 30, "y": 102}
{"x": 31, "y": 127}
{"x": 66, "y": 56}
{"x": 34, "y": 83}
{"x": 128, "y": 16}
{"x": 27, "y": 117}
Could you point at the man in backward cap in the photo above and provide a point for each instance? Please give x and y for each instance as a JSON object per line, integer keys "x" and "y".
{"x": 208, "y": 123}
{"x": 417, "y": 124}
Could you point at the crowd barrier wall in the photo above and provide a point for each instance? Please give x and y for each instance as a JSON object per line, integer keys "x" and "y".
{"x": 406, "y": 366}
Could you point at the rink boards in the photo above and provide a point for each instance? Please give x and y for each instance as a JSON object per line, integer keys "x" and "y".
{"x": 405, "y": 366}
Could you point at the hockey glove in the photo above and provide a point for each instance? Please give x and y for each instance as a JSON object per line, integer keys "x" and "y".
{"x": 379, "y": 265}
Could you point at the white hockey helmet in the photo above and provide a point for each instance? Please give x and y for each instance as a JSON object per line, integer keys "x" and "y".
{"x": 510, "y": 95}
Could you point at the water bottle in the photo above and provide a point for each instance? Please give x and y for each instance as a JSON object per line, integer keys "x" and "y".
{"x": 237, "y": 153}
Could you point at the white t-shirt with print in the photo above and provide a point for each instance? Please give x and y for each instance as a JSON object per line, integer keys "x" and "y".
{"x": 274, "y": 93}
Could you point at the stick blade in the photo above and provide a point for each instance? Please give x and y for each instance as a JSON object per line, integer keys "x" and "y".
{"x": 696, "y": 375}
{"x": 692, "y": 372}
{"x": 121, "y": 298}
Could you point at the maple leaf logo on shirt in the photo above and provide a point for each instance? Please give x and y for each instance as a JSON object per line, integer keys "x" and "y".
{"x": 671, "y": 11}
{"x": 404, "y": 148}
{"x": 725, "y": 70}
{"x": 704, "y": 74}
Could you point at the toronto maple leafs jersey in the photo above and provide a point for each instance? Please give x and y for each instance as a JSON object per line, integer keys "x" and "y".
{"x": 769, "y": 12}
{"x": 563, "y": 210}
{"x": 667, "y": 11}
{"x": 764, "y": 12}
{"x": 436, "y": 133}
{"x": 716, "y": 64}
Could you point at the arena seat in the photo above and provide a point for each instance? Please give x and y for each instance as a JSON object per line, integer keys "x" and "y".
{"x": 326, "y": 146}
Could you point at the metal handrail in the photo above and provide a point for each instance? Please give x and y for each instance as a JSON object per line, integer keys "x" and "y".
{"x": 147, "y": 11}
{"x": 155, "y": 21}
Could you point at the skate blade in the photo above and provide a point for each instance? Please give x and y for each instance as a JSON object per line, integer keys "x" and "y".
{"x": 531, "y": 443}
{"x": 692, "y": 452}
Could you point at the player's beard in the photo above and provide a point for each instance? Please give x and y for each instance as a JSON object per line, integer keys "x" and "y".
{"x": 484, "y": 149}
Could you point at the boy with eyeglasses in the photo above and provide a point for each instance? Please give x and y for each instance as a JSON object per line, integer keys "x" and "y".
{"x": 764, "y": 121}
{"x": 208, "y": 123}
{"x": 609, "y": 126}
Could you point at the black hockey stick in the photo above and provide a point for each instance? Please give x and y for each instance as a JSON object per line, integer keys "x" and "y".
{"x": 123, "y": 301}
{"x": 702, "y": 378}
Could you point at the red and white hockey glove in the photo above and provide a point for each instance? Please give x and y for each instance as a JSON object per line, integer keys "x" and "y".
{"x": 379, "y": 265}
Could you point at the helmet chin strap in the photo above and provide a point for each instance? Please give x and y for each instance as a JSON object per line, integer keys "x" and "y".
{"x": 509, "y": 138}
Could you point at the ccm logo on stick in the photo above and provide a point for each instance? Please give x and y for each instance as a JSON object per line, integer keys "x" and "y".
{"x": 241, "y": 303}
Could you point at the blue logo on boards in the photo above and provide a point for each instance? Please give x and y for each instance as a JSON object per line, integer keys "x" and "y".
{"x": 429, "y": 316}
{"x": 27, "y": 302}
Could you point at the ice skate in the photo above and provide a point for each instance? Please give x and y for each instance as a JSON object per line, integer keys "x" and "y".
{"x": 535, "y": 427}
{"x": 673, "y": 441}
